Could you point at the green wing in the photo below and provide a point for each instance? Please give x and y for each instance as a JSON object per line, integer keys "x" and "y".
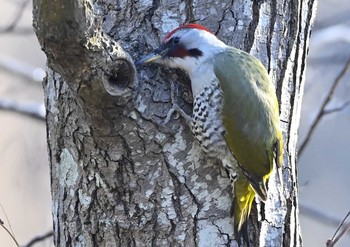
{"x": 250, "y": 114}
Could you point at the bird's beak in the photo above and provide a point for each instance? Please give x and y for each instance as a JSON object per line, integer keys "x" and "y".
{"x": 147, "y": 59}
{"x": 155, "y": 55}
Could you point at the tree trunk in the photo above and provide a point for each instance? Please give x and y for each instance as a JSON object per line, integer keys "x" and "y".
{"x": 119, "y": 176}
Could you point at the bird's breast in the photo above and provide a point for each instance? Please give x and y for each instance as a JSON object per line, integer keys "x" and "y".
{"x": 207, "y": 125}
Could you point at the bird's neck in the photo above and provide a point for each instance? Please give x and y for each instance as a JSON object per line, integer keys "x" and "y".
{"x": 201, "y": 77}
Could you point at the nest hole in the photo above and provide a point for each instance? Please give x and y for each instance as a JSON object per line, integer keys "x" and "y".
{"x": 121, "y": 78}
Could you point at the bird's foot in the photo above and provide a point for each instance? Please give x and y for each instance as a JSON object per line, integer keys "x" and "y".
{"x": 176, "y": 107}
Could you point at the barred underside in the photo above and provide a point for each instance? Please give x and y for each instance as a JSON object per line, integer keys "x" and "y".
{"x": 208, "y": 128}
{"x": 207, "y": 125}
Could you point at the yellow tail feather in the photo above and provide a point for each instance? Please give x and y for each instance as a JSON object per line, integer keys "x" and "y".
{"x": 244, "y": 197}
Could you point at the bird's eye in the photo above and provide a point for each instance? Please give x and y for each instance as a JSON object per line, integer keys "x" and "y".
{"x": 176, "y": 40}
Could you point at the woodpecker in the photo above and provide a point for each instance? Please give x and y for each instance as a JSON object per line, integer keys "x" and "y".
{"x": 235, "y": 109}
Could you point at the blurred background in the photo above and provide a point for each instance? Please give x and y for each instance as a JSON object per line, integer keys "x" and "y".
{"x": 323, "y": 166}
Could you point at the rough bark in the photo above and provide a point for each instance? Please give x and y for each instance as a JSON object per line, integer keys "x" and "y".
{"x": 121, "y": 178}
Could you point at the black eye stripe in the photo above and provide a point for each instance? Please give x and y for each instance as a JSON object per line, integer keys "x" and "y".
{"x": 195, "y": 52}
{"x": 174, "y": 48}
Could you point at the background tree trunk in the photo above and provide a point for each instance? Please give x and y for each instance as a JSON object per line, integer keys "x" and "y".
{"x": 120, "y": 178}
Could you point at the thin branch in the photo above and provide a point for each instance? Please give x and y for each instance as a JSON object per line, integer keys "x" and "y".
{"x": 9, "y": 233}
{"x": 12, "y": 235}
{"x": 33, "y": 110}
{"x": 330, "y": 35}
{"x": 342, "y": 228}
{"x": 7, "y": 219}
{"x": 341, "y": 224}
{"x": 337, "y": 109}
{"x": 19, "y": 31}
{"x": 21, "y": 68}
{"x": 319, "y": 216}
{"x": 322, "y": 110}
{"x": 16, "y": 18}
{"x": 39, "y": 238}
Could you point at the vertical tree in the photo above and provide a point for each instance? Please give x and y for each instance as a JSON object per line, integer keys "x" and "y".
{"x": 119, "y": 176}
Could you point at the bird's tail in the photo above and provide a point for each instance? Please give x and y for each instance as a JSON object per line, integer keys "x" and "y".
{"x": 243, "y": 200}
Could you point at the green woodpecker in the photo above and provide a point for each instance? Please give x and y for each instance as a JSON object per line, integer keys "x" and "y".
{"x": 235, "y": 109}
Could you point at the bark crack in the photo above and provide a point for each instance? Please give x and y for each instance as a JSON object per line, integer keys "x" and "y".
{"x": 155, "y": 5}
{"x": 227, "y": 8}
{"x": 229, "y": 240}
{"x": 177, "y": 190}
{"x": 195, "y": 218}
{"x": 292, "y": 29}
{"x": 271, "y": 224}
{"x": 189, "y": 11}
{"x": 271, "y": 32}
{"x": 155, "y": 226}
{"x": 250, "y": 36}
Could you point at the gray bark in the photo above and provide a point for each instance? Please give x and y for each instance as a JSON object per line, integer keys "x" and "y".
{"x": 120, "y": 178}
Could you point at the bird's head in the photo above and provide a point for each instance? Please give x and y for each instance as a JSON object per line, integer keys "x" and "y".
{"x": 185, "y": 47}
